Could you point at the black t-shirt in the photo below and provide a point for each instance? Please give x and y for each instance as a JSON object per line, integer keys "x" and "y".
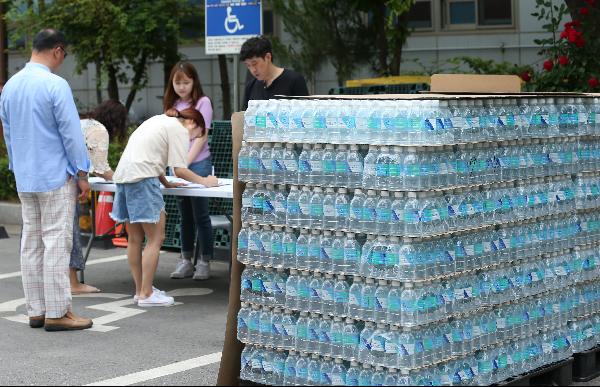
{"x": 289, "y": 83}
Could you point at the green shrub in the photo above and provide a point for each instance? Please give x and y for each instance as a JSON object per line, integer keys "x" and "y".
{"x": 8, "y": 186}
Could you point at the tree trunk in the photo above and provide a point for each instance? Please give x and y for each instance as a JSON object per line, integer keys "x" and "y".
{"x": 3, "y": 45}
{"x": 403, "y": 33}
{"x": 381, "y": 39}
{"x": 171, "y": 54}
{"x": 98, "y": 81}
{"x": 225, "y": 87}
{"x": 139, "y": 71}
{"x": 113, "y": 84}
{"x": 170, "y": 59}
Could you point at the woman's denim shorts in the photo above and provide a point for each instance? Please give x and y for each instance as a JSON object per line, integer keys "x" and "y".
{"x": 140, "y": 202}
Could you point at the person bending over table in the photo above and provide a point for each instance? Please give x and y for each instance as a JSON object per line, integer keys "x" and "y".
{"x": 99, "y": 127}
{"x": 161, "y": 141}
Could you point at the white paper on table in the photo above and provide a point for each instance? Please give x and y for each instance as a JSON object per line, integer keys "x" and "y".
{"x": 188, "y": 184}
{"x": 171, "y": 179}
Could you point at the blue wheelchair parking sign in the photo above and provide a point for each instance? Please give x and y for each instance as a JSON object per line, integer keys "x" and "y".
{"x": 230, "y": 23}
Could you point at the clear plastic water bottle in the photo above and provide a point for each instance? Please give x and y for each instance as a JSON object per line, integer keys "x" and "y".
{"x": 342, "y": 167}
{"x": 353, "y": 375}
{"x": 290, "y": 162}
{"x": 365, "y": 377}
{"x": 255, "y": 247}
{"x": 304, "y": 204}
{"x": 265, "y": 240}
{"x": 314, "y": 329}
{"x": 378, "y": 376}
{"x": 277, "y": 247}
{"x": 351, "y": 340}
{"x": 316, "y": 208}
{"x": 303, "y": 291}
{"x": 329, "y": 165}
{"x": 315, "y": 288}
{"x": 315, "y": 176}
{"x": 328, "y": 294}
{"x": 325, "y": 339}
{"x": 337, "y": 337}
{"x": 242, "y": 322}
{"x": 337, "y": 250}
{"x": 339, "y": 373}
{"x": 369, "y": 177}
{"x": 314, "y": 371}
{"x": 369, "y": 216}
{"x": 355, "y": 298}
{"x": 242, "y": 250}
{"x": 302, "y": 369}
{"x": 290, "y": 375}
{"x": 293, "y": 208}
{"x": 330, "y": 219}
{"x": 342, "y": 209}
{"x": 356, "y": 210}
{"x": 367, "y": 305}
{"x": 266, "y": 165}
{"x": 314, "y": 250}
{"x": 352, "y": 254}
{"x": 383, "y": 214}
{"x": 356, "y": 166}
{"x": 277, "y": 164}
{"x": 304, "y": 164}
{"x": 289, "y": 241}
{"x": 341, "y": 296}
{"x": 302, "y": 247}
{"x": 289, "y": 333}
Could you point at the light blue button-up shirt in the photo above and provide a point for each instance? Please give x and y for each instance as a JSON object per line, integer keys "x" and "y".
{"x": 41, "y": 130}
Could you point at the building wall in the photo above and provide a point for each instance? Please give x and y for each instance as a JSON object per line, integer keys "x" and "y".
{"x": 431, "y": 48}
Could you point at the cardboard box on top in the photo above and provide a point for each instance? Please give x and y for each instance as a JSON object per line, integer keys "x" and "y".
{"x": 474, "y": 83}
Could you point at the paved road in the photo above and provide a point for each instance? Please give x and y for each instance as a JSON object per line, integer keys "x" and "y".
{"x": 163, "y": 340}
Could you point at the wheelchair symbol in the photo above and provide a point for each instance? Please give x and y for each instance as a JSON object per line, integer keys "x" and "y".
{"x": 232, "y": 23}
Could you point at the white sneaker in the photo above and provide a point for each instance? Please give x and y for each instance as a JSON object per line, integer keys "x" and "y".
{"x": 156, "y": 299}
{"x": 184, "y": 269}
{"x": 154, "y": 290}
{"x": 202, "y": 271}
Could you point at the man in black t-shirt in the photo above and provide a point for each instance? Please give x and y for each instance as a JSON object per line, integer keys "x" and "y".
{"x": 268, "y": 80}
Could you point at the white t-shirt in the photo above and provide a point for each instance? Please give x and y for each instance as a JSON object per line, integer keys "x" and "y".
{"x": 158, "y": 143}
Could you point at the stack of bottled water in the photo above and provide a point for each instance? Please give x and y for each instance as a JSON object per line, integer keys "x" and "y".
{"x": 422, "y": 242}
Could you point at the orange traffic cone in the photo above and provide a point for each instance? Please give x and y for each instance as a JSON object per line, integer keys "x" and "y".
{"x": 121, "y": 241}
{"x": 104, "y": 223}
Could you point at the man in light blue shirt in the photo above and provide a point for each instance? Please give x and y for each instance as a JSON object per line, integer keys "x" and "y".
{"x": 48, "y": 156}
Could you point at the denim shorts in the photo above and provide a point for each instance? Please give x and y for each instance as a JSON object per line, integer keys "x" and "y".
{"x": 140, "y": 202}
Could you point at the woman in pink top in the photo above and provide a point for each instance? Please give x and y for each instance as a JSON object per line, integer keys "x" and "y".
{"x": 185, "y": 91}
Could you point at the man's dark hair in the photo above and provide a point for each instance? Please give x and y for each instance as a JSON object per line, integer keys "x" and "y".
{"x": 49, "y": 38}
{"x": 257, "y": 47}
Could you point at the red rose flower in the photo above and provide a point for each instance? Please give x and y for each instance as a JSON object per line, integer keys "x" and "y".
{"x": 591, "y": 3}
{"x": 526, "y": 76}
{"x": 548, "y": 65}
{"x": 593, "y": 82}
{"x": 580, "y": 42}
{"x": 563, "y": 60}
{"x": 573, "y": 35}
{"x": 564, "y": 34}
{"x": 584, "y": 11}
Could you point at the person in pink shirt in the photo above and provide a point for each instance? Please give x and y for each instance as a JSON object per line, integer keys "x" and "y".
{"x": 185, "y": 91}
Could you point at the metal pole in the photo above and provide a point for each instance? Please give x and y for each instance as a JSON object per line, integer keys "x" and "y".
{"x": 236, "y": 84}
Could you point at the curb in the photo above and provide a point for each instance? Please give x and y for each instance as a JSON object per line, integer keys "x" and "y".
{"x": 10, "y": 213}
